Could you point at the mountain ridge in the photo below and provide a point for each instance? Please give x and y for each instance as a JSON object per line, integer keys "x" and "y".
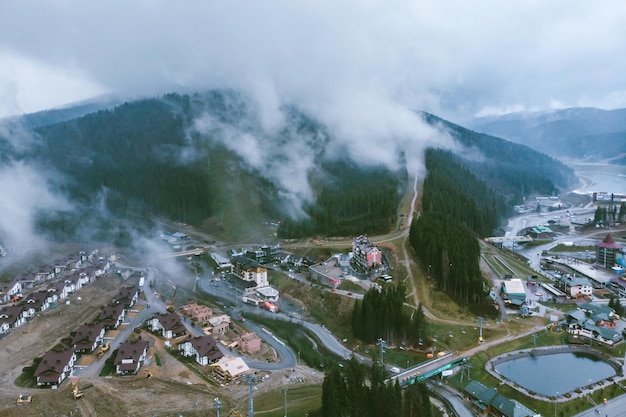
{"x": 205, "y": 159}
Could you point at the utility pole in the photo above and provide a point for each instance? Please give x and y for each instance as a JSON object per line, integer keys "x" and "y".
{"x": 285, "y": 391}
{"x": 217, "y": 406}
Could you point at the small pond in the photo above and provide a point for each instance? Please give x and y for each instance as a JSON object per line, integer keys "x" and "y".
{"x": 555, "y": 374}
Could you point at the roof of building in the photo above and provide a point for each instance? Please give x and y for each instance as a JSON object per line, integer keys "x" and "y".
{"x": 609, "y": 243}
{"x": 268, "y": 291}
{"x": 541, "y": 229}
{"x": 217, "y": 320}
{"x": 111, "y": 312}
{"x": 87, "y": 334}
{"x": 52, "y": 364}
{"x": 329, "y": 269}
{"x": 480, "y": 392}
{"x": 232, "y": 366}
{"x": 205, "y": 346}
{"x": 489, "y": 396}
{"x": 171, "y": 321}
{"x": 130, "y": 350}
{"x": 245, "y": 263}
{"x": 573, "y": 281}
{"x": 514, "y": 287}
{"x": 597, "y": 309}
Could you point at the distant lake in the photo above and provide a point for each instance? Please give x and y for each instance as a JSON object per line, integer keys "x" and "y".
{"x": 600, "y": 177}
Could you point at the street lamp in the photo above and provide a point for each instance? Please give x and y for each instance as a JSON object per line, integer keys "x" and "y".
{"x": 557, "y": 396}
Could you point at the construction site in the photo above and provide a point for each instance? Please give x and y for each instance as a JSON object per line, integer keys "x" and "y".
{"x": 164, "y": 387}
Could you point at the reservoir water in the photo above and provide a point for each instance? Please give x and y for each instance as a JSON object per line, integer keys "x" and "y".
{"x": 601, "y": 177}
{"x": 555, "y": 374}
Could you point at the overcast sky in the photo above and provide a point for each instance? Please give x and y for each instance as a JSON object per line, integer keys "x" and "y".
{"x": 454, "y": 58}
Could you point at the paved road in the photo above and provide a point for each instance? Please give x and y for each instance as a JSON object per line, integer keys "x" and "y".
{"x": 613, "y": 408}
{"x": 453, "y": 397}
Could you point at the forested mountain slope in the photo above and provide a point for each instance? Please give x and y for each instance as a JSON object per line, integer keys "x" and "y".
{"x": 206, "y": 160}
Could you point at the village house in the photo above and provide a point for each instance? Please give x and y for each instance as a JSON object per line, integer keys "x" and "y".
{"x": 54, "y": 367}
{"x": 45, "y": 274}
{"x": 14, "y": 315}
{"x": 249, "y": 342}
{"x": 61, "y": 289}
{"x": 130, "y": 357}
{"x": 39, "y": 300}
{"x": 169, "y": 324}
{"x": 5, "y": 325}
{"x": 127, "y": 296}
{"x": 594, "y": 322}
{"x": 112, "y": 316}
{"x": 73, "y": 282}
{"x": 487, "y": 401}
{"x": 230, "y": 368}
{"x": 204, "y": 348}
{"x": 577, "y": 287}
{"x": 197, "y": 313}
{"x": 8, "y": 290}
{"x": 88, "y": 337}
{"x": 219, "y": 324}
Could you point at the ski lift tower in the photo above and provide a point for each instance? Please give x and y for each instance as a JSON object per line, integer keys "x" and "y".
{"x": 251, "y": 381}
{"x": 217, "y": 405}
{"x": 480, "y": 336}
{"x": 382, "y": 345}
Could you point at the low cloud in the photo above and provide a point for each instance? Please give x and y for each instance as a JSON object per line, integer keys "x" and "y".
{"x": 26, "y": 193}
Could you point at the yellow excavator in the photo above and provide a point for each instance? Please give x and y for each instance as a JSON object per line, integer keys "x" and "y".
{"x": 234, "y": 413}
{"x": 24, "y": 399}
{"x": 104, "y": 349}
{"x": 76, "y": 393}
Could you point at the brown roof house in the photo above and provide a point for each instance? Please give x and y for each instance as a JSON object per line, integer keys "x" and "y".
{"x": 55, "y": 366}
{"x": 127, "y": 296}
{"x": 39, "y": 300}
{"x": 112, "y": 316}
{"x": 9, "y": 289}
{"x": 88, "y": 337}
{"x": 249, "y": 342}
{"x": 15, "y": 315}
{"x": 5, "y": 325}
{"x": 204, "y": 348}
{"x": 60, "y": 289}
{"x": 130, "y": 356}
{"x": 169, "y": 324}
